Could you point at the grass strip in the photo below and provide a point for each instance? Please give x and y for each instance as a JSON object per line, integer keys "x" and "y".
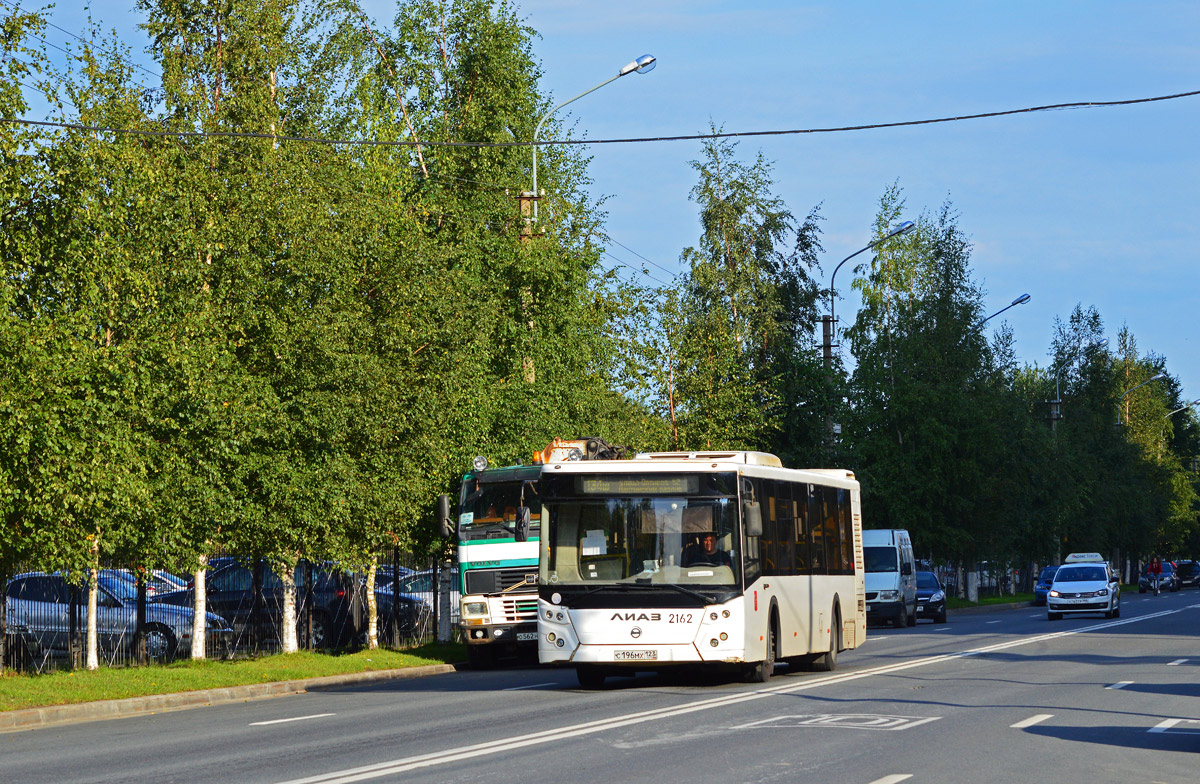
{"x": 113, "y": 683}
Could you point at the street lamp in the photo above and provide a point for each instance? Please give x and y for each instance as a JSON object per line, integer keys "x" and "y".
{"x": 1021, "y": 300}
{"x": 1155, "y": 377}
{"x": 643, "y": 64}
{"x": 1195, "y": 402}
{"x": 903, "y": 228}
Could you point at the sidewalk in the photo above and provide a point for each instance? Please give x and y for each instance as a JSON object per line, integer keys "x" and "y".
{"x": 33, "y": 718}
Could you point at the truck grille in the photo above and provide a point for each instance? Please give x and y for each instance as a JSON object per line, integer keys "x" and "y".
{"x": 519, "y": 608}
{"x": 497, "y": 580}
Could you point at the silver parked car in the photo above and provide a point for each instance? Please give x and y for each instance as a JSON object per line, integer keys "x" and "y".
{"x": 40, "y": 602}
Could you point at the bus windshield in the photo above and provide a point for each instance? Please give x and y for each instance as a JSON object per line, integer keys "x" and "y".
{"x": 488, "y": 505}
{"x": 647, "y": 540}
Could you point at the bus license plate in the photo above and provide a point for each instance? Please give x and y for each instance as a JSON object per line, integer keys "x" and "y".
{"x": 526, "y": 636}
{"x": 638, "y": 655}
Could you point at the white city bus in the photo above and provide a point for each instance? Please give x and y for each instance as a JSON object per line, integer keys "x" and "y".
{"x": 626, "y": 581}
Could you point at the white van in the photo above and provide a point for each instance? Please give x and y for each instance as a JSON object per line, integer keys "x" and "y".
{"x": 891, "y": 576}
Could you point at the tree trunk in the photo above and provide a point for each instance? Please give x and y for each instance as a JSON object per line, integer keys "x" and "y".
{"x": 372, "y": 610}
{"x": 201, "y": 609}
{"x": 93, "y": 647}
{"x": 288, "y": 632}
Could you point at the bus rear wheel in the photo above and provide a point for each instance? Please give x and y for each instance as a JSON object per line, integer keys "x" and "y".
{"x": 827, "y": 662}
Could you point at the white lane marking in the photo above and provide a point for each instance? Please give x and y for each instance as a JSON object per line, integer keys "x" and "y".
{"x": 296, "y": 718}
{"x": 991, "y": 622}
{"x": 1038, "y": 719}
{"x": 1177, "y": 661}
{"x": 895, "y": 778}
{"x": 1119, "y": 685}
{"x": 491, "y": 748}
{"x": 1036, "y": 615}
{"x": 857, "y": 721}
{"x": 534, "y": 686}
{"x": 1166, "y": 724}
{"x": 943, "y": 629}
{"x": 1163, "y": 726}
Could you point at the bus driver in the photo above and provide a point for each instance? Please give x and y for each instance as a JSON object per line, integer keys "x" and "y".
{"x": 705, "y": 552}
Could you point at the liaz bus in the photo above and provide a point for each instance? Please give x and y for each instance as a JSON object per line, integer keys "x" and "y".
{"x": 720, "y": 559}
{"x": 499, "y": 519}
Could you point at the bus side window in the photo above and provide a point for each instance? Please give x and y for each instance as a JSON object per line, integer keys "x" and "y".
{"x": 816, "y": 531}
{"x": 753, "y": 564}
{"x": 847, "y": 526}
{"x": 800, "y": 516}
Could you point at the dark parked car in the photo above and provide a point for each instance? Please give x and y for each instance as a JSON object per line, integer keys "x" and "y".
{"x": 338, "y": 614}
{"x": 1169, "y": 581}
{"x": 1042, "y": 586}
{"x": 40, "y": 602}
{"x": 1189, "y": 574}
{"x": 931, "y": 597}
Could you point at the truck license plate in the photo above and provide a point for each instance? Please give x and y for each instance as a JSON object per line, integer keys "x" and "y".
{"x": 526, "y": 636}
{"x": 636, "y": 655}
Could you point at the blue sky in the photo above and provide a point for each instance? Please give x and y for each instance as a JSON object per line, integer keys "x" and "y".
{"x": 1096, "y": 207}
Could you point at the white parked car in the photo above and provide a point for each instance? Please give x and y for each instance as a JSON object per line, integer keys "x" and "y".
{"x": 1084, "y": 584}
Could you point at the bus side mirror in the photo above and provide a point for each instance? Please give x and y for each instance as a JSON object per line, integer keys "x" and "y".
{"x": 752, "y": 514}
{"x": 521, "y": 533}
{"x": 443, "y": 513}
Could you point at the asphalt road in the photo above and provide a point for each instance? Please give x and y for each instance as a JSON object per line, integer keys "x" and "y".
{"x": 992, "y": 697}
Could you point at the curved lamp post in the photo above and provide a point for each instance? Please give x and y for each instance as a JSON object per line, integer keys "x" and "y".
{"x": 1021, "y": 300}
{"x": 1195, "y": 402}
{"x": 1155, "y": 377}
{"x": 903, "y": 228}
{"x": 643, "y": 64}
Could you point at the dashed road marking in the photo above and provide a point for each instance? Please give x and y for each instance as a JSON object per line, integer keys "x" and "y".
{"x": 991, "y": 622}
{"x": 531, "y": 686}
{"x": 1119, "y": 685}
{"x": 1038, "y": 719}
{"x": 295, "y": 718}
{"x": 1168, "y": 726}
{"x": 1177, "y": 661}
{"x": 895, "y": 778}
{"x": 854, "y": 721}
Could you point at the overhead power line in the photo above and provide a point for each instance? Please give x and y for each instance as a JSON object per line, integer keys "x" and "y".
{"x": 632, "y": 140}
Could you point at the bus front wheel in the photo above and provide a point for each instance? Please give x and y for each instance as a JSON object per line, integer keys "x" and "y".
{"x": 590, "y": 676}
{"x": 763, "y": 670}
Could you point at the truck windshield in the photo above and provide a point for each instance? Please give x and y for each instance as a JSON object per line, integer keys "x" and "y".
{"x": 881, "y": 559}
{"x": 646, "y": 540}
{"x": 494, "y": 505}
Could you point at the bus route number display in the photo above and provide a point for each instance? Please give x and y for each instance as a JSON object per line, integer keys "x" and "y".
{"x": 688, "y": 484}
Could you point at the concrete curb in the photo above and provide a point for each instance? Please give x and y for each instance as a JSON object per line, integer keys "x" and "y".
{"x": 33, "y": 718}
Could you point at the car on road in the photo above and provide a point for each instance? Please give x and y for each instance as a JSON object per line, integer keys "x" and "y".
{"x": 1042, "y": 586}
{"x": 1168, "y": 581}
{"x": 40, "y": 602}
{"x": 1084, "y": 584}
{"x": 1188, "y": 573}
{"x": 931, "y": 597}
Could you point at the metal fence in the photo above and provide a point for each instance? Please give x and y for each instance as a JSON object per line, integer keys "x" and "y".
{"x": 148, "y": 616}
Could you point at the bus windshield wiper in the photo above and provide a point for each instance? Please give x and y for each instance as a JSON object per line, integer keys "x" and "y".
{"x": 651, "y": 587}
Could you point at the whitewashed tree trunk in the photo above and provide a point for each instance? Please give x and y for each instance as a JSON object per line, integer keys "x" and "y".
{"x": 93, "y": 647}
{"x": 201, "y": 608}
{"x": 372, "y": 610}
{"x": 291, "y": 643}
